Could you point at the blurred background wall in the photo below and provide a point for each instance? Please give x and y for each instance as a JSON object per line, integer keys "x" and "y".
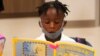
{"x": 83, "y": 21}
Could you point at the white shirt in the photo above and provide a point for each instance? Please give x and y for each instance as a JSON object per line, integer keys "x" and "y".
{"x": 64, "y": 38}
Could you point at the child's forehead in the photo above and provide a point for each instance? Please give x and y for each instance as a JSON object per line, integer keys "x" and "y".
{"x": 51, "y": 10}
{"x": 54, "y": 11}
{"x": 53, "y": 14}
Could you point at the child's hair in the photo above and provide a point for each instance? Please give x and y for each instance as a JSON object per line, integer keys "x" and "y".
{"x": 53, "y": 4}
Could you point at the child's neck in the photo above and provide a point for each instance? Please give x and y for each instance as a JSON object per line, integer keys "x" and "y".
{"x": 53, "y": 40}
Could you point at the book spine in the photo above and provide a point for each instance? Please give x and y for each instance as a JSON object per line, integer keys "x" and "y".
{"x": 54, "y": 52}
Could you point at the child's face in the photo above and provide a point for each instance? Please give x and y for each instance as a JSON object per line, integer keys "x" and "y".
{"x": 52, "y": 20}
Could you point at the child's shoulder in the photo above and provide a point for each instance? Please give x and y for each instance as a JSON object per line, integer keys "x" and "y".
{"x": 81, "y": 40}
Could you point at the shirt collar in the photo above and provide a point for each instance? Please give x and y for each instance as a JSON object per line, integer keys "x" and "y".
{"x": 64, "y": 38}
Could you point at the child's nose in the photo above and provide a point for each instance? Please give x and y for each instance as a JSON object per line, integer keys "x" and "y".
{"x": 52, "y": 25}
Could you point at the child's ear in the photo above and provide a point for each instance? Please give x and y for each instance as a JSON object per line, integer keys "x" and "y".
{"x": 65, "y": 22}
{"x": 39, "y": 23}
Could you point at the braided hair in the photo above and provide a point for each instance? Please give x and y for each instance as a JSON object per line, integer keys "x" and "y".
{"x": 53, "y": 4}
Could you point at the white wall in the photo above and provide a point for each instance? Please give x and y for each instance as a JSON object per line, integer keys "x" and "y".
{"x": 80, "y": 9}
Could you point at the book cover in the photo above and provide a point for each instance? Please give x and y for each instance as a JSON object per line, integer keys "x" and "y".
{"x": 29, "y": 47}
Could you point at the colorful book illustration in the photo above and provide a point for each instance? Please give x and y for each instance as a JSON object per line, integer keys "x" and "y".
{"x": 2, "y": 41}
{"x": 28, "y": 47}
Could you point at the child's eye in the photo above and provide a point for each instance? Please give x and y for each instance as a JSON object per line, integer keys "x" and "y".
{"x": 47, "y": 22}
{"x": 59, "y": 21}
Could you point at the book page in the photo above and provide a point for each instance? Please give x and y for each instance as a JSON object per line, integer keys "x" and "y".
{"x": 24, "y": 47}
{"x": 74, "y": 50}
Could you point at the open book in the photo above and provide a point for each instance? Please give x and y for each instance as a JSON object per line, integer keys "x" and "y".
{"x": 29, "y": 47}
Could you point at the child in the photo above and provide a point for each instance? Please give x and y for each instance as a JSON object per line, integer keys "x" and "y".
{"x": 52, "y": 22}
